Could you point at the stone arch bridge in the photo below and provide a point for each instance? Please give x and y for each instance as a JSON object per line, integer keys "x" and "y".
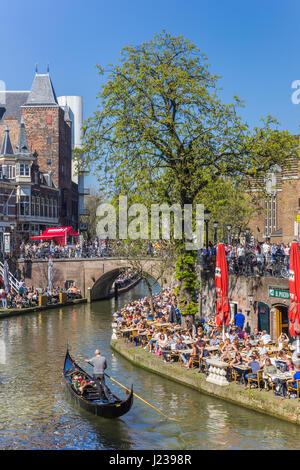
{"x": 93, "y": 276}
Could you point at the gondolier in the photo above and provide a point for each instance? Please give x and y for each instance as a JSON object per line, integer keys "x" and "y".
{"x": 99, "y": 363}
{"x": 88, "y": 397}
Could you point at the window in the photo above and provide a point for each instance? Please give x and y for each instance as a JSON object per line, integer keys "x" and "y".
{"x": 49, "y": 119}
{"x": 50, "y": 207}
{"x": 48, "y": 140}
{"x": 46, "y": 213}
{"x": 24, "y": 205}
{"x": 270, "y": 215}
{"x": 49, "y": 161}
{"x": 54, "y": 208}
{"x": 42, "y": 207}
{"x": 23, "y": 169}
{"x": 37, "y": 206}
{"x": 32, "y": 205}
{"x": 10, "y": 171}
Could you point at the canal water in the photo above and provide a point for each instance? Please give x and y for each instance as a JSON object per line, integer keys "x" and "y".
{"x": 36, "y": 412}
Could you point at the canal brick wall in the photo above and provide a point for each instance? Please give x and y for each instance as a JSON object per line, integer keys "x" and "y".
{"x": 260, "y": 401}
{"x": 13, "y": 312}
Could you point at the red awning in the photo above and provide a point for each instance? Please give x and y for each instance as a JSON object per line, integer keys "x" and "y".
{"x": 57, "y": 232}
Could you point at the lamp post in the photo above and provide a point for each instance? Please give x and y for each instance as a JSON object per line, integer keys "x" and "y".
{"x": 228, "y": 233}
{"x": 206, "y": 220}
{"x": 216, "y": 231}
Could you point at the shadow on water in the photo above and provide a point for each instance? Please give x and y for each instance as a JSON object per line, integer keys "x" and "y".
{"x": 37, "y": 413}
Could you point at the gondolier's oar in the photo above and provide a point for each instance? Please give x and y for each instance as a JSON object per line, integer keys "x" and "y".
{"x": 144, "y": 401}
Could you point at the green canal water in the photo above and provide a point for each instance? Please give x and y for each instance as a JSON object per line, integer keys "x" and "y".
{"x": 36, "y": 412}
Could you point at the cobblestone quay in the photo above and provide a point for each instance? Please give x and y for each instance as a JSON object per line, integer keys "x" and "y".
{"x": 261, "y": 401}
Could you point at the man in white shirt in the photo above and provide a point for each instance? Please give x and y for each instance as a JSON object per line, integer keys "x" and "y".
{"x": 265, "y": 337}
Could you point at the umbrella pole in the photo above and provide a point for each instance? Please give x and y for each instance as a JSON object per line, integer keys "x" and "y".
{"x": 223, "y": 332}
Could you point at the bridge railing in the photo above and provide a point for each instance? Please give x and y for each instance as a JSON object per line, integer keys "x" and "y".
{"x": 251, "y": 265}
{"x": 13, "y": 282}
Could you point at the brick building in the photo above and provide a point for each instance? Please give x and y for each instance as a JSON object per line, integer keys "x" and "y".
{"x": 40, "y": 134}
{"x": 30, "y": 199}
{"x": 277, "y": 218}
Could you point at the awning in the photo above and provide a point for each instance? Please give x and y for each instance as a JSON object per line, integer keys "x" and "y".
{"x": 60, "y": 233}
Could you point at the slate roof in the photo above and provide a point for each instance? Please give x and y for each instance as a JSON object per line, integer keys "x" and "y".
{"x": 42, "y": 92}
{"x": 7, "y": 148}
{"x": 10, "y": 103}
{"x": 22, "y": 141}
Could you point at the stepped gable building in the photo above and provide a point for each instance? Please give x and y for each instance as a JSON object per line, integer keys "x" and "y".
{"x": 40, "y": 135}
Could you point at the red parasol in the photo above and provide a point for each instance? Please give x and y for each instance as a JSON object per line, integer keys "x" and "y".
{"x": 221, "y": 280}
{"x": 294, "y": 284}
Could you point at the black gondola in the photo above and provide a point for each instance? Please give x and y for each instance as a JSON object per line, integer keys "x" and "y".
{"x": 89, "y": 399}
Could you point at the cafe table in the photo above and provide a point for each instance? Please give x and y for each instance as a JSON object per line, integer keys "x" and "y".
{"x": 281, "y": 375}
{"x": 244, "y": 368}
{"x": 212, "y": 348}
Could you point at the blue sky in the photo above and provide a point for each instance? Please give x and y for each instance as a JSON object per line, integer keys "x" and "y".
{"x": 253, "y": 45}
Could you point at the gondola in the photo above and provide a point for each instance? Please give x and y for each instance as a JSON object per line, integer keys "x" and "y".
{"x": 89, "y": 399}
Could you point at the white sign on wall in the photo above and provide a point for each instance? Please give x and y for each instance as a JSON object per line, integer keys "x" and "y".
{"x": 6, "y": 242}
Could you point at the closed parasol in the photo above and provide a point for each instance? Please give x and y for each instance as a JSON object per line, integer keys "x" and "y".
{"x": 221, "y": 280}
{"x": 294, "y": 284}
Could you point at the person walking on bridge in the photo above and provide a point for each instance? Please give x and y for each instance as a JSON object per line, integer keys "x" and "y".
{"x": 99, "y": 363}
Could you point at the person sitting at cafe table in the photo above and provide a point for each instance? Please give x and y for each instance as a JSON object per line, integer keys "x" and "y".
{"x": 228, "y": 350}
{"x": 295, "y": 377}
{"x": 214, "y": 340}
{"x": 261, "y": 348}
{"x": 282, "y": 340}
{"x": 170, "y": 346}
{"x": 265, "y": 337}
{"x": 247, "y": 351}
{"x": 268, "y": 370}
{"x": 237, "y": 361}
{"x": 161, "y": 343}
{"x": 256, "y": 334}
{"x": 180, "y": 345}
{"x": 280, "y": 360}
{"x": 254, "y": 365}
{"x": 155, "y": 337}
{"x": 197, "y": 350}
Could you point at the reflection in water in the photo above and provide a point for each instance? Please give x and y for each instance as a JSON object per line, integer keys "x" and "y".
{"x": 36, "y": 412}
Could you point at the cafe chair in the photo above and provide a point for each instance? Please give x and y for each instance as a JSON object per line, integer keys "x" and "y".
{"x": 292, "y": 389}
{"x": 256, "y": 379}
{"x": 235, "y": 375}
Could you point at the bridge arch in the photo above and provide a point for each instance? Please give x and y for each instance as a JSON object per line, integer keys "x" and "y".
{"x": 102, "y": 287}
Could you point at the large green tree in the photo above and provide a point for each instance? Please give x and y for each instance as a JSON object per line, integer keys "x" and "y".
{"x": 162, "y": 133}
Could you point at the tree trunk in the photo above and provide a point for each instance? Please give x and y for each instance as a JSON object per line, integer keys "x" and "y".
{"x": 150, "y": 295}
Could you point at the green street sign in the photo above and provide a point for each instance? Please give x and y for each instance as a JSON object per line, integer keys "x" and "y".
{"x": 279, "y": 293}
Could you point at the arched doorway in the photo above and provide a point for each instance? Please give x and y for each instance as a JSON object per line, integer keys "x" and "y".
{"x": 282, "y": 319}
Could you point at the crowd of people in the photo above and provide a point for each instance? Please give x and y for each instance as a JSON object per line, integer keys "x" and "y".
{"x": 44, "y": 249}
{"x": 261, "y": 258}
{"x": 125, "y": 278}
{"x": 87, "y": 249}
{"x": 252, "y": 359}
{"x": 28, "y": 296}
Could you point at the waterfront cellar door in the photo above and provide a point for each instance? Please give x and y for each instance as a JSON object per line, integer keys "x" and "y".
{"x": 263, "y": 317}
